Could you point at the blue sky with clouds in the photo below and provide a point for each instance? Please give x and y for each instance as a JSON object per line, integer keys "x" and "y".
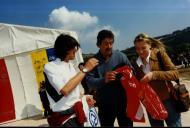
{"x": 126, "y": 18}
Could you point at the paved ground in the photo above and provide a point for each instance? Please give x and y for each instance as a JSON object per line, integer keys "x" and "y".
{"x": 39, "y": 121}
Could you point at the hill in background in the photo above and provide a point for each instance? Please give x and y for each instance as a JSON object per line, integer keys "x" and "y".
{"x": 177, "y": 46}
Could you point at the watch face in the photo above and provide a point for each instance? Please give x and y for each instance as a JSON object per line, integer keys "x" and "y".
{"x": 84, "y": 70}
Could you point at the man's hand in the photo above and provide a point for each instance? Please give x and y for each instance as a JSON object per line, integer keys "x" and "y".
{"x": 110, "y": 76}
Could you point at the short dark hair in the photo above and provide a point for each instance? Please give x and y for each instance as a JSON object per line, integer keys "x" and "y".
{"x": 63, "y": 44}
{"x": 104, "y": 34}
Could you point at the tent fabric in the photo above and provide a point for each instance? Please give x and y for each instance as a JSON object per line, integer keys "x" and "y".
{"x": 17, "y": 86}
{"x": 19, "y": 46}
{"x": 17, "y": 39}
{"x": 7, "y": 109}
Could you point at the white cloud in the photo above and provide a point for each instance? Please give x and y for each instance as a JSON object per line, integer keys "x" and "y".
{"x": 86, "y": 26}
{"x": 63, "y": 18}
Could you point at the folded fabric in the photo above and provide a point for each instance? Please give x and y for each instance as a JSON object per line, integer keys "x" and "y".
{"x": 152, "y": 103}
{"x": 56, "y": 119}
{"x": 132, "y": 89}
{"x": 138, "y": 93}
{"x": 78, "y": 109}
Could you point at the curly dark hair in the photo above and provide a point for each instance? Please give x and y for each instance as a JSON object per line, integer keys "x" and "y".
{"x": 104, "y": 34}
{"x": 63, "y": 44}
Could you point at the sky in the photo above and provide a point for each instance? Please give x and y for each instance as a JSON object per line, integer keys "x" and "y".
{"x": 125, "y": 18}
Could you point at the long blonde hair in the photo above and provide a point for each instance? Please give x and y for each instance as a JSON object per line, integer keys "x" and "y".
{"x": 154, "y": 43}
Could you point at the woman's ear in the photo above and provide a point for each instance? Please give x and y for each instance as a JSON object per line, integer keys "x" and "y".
{"x": 98, "y": 44}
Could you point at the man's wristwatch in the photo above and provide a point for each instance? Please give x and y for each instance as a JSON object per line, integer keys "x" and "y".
{"x": 84, "y": 70}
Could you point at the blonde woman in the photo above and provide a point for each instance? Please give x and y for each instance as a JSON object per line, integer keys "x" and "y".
{"x": 148, "y": 70}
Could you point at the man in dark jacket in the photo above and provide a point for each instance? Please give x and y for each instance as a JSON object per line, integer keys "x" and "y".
{"x": 111, "y": 100}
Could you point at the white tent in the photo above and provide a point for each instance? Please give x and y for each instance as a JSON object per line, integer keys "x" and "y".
{"x": 19, "y": 47}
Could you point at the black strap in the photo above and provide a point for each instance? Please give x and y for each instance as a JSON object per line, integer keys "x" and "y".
{"x": 51, "y": 90}
{"x": 67, "y": 111}
{"x": 160, "y": 61}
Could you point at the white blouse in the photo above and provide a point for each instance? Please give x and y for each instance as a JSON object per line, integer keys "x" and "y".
{"x": 146, "y": 67}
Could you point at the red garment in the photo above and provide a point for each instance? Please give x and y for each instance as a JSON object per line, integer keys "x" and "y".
{"x": 56, "y": 119}
{"x": 78, "y": 109}
{"x": 132, "y": 89}
{"x": 136, "y": 92}
{"x": 153, "y": 104}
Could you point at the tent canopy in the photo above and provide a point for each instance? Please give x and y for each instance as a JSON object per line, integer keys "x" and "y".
{"x": 23, "y": 52}
{"x": 15, "y": 39}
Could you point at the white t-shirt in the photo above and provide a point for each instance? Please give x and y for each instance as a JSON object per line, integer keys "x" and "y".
{"x": 59, "y": 73}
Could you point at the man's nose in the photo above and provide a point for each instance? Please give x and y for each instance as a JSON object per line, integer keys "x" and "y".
{"x": 109, "y": 45}
{"x": 140, "y": 51}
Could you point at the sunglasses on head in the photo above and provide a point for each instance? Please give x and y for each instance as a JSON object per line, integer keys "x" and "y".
{"x": 141, "y": 37}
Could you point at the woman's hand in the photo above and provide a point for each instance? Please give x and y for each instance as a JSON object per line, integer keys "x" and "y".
{"x": 90, "y": 101}
{"x": 147, "y": 78}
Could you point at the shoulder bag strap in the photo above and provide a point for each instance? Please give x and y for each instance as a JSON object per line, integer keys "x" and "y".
{"x": 51, "y": 90}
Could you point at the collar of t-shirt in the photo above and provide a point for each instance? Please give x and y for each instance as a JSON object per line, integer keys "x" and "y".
{"x": 145, "y": 67}
{"x": 64, "y": 64}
